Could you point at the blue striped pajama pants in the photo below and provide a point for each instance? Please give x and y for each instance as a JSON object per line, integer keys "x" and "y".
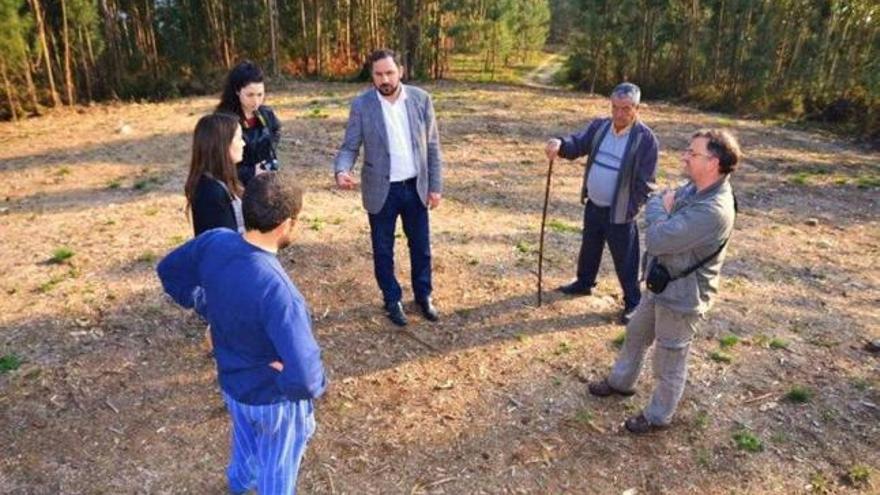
{"x": 268, "y": 443}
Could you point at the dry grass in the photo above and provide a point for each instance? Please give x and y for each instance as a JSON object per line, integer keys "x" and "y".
{"x": 113, "y": 393}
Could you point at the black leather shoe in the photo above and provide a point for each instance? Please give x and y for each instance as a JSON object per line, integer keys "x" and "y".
{"x": 428, "y": 310}
{"x": 575, "y": 289}
{"x": 604, "y": 389}
{"x": 395, "y": 313}
{"x": 639, "y": 425}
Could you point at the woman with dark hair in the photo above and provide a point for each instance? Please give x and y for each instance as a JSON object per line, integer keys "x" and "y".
{"x": 213, "y": 192}
{"x": 243, "y": 96}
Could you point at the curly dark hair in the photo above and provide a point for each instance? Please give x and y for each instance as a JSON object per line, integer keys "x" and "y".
{"x": 380, "y": 54}
{"x": 246, "y": 72}
{"x": 268, "y": 201}
{"x": 724, "y": 146}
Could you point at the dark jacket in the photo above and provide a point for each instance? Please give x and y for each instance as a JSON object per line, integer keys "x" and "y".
{"x": 212, "y": 206}
{"x": 261, "y": 143}
{"x": 638, "y": 168}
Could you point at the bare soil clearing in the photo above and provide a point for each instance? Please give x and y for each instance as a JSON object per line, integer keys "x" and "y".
{"x": 115, "y": 395}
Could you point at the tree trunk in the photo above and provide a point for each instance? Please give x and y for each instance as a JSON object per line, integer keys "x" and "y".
{"x": 305, "y": 34}
{"x": 31, "y": 87}
{"x": 153, "y": 52}
{"x": 739, "y": 53}
{"x": 347, "y": 33}
{"x": 719, "y": 34}
{"x": 111, "y": 36}
{"x": 68, "y": 71}
{"x": 85, "y": 63}
{"x": 272, "y": 8}
{"x": 374, "y": 26}
{"x": 10, "y": 95}
{"x": 319, "y": 45}
{"x": 41, "y": 30}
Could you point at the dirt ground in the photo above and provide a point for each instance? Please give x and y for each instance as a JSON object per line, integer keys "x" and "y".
{"x": 114, "y": 393}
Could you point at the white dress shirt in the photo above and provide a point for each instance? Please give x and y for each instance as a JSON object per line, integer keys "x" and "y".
{"x": 396, "y": 119}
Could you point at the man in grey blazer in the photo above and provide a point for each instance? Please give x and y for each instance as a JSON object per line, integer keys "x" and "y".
{"x": 401, "y": 176}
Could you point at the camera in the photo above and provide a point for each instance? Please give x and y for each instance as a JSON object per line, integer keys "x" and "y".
{"x": 270, "y": 165}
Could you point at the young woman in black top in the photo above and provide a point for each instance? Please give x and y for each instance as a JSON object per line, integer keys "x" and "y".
{"x": 213, "y": 192}
{"x": 243, "y": 96}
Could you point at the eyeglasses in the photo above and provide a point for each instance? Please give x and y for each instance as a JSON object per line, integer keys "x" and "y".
{"x": 691, "y": 153}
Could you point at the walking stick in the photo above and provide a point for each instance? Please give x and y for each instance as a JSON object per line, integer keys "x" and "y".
{"x": 543, "y": 222}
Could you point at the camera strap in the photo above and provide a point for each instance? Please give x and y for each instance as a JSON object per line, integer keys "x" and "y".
{"x": 705, "y": 260}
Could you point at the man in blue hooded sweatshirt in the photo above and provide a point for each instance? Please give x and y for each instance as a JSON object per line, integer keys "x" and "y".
{"x": 268, "y": 362}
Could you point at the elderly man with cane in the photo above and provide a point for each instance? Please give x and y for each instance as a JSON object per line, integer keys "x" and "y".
{"x": 619, "y": 175}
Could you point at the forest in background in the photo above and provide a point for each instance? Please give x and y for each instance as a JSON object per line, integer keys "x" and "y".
{"x": 61, "y": 52}
{"x": 817, "y": 60}
{"x": 814, "y": 59}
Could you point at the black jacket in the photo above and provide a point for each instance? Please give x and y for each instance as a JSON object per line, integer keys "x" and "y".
{"x": 261, "y": 142}
{"x": 212, "y": 206}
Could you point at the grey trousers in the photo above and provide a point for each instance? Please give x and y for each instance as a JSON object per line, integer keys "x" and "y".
{"x": 673, "y": 332}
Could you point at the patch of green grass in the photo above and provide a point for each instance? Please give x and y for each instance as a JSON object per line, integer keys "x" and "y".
{"x": 9, "y": 362}
{"x": 728, "y": 341}
{"x": 176, "y": 240}
{"x": 780, "y": 437}
{"x": 50, "y": 284}
{"x": 819, "y": 483}
{"x": 703, "y": 457}
{"x": 778, "y": 343}
{"x": 147, "y": 183}
{"x": 556, "y": 381}
{"x": 524, "y": 247}
{"x": 317, "y": 224}
{"x": 861, "y": 384}
{"x": 701, "y": 420}
{"x": 799, "y": 394}
{"x": 583, "y": 417}
{"x": 471, "y": 67}
{"x": 829, "y": 415}
{"x": 563, "y": 348}
{"x": 868, "y": 182}
{"x": 147, "y": 257}
{"x": 316, "y": 113}
{"x": 800, "y": 178}
{"x": 562, "y": 227}
{"x": 721, "y": 357}
{"x": 61, "y": 255}
{"x": 62, "y": 171}
{"x": 618, "y": 340}
{"x": 747, "y": 441}
{"x": 805, "y": 177}
{"x": 114, "y": 184}
{"x": 858, "y": 475}
{"x": 822, "y": 342}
